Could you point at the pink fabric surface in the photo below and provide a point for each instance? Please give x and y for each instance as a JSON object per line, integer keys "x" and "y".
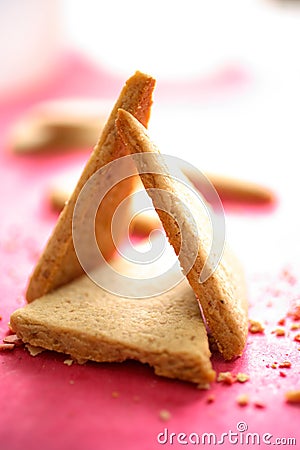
{"x": 47, "y": 404}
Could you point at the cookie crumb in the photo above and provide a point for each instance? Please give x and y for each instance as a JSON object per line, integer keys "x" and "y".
{"x": 115, "y": 394}
{"x": 242, "y": 400}
{"x": 255, "y": 327}
{"x": 34, "y": 351}
{"x": 259, "y": 404}
{"x": 211, "y": 398}
{"x": 297, "y": 338}
{"x": 293, "y": 396}
{"x": 285, "y": 365}
{"x": 164, "y": 415}
{"x": 294, "y": 312}
{"x": 203, "y": 387}
{"x": 295, "y": 326}
{"x": 71, "y": 381}
{"x": 13, "y": 339}
{"x": 6, "y": 347}
{"x": 68, "y": 362}
{"x": 278, "y": 332}
{"x": 242, "y": 377}
{"x": 226, "y": 378}
{"x": 281, "y": 321}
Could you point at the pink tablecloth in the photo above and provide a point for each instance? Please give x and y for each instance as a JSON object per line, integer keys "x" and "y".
{"x": 46, "y": 404}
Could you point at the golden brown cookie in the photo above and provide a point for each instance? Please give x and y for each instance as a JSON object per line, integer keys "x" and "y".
{"x": 59, "y": 264}
{"x": 222, "y": 296}
{"x": 88, "y": 323}
{"x": 58, "y": 126}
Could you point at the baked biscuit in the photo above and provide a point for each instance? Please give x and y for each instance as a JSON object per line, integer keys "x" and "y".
{"x": 59, "y": 263}
{"x": 222, "y": 296}
{"x": 88, "y": 323}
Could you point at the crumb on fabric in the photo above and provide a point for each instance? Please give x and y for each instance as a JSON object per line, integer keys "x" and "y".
{"x": 34, "y": 351}
{"x": 294, "y": 312}
{"x": 71, "y": 381}
{"x": 164, "y": 415}
{"x": 115, "y": 394}
{"x": 259, "y": 404}
{"x": 285, "y": 365}
{"x": 242, "y": 377}
{"x": 255, "y": 326}
{"x": 242, "y": 399}
{"x": 211, "y": 398}
{"x": 13, "y": 339}
{"x": 226, "y": 378}
{"x": 203, "y": 387}
{"x": 6, "y": 347}
{"x": 68, "y": 362}
{"x": 282, "y": 374}
{"x": 295, "y": 326}
{"x": 278, "y": 332}
{"x": 230, "y": 378}
{"x": 293, "y": 396}
{"x": 297, "y": 338}
{"x": 281, "y": 321}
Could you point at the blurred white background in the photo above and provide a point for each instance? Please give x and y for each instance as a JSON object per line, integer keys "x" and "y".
{"x": 170, "y": 39}
{"x": 176, "y": 39}
{"x": 252, "y": 133}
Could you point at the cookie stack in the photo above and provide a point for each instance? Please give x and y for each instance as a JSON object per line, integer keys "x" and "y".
{"x": 67, "y": 312}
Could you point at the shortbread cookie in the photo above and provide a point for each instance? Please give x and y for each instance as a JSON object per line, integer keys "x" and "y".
{"x": 58, "y": 126}
{"x": 222, "y": 296}
{"x": 88, "y": 323}
{"x": 59, "y": 263}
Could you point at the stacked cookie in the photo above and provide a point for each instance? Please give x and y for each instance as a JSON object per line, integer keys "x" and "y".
{"x": 69, "y": 313}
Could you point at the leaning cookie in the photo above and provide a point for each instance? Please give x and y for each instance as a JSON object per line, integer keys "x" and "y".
{"x": 222, "y": 296}
{"x": 59, "y": 263}
{"x": 88, "y": 323}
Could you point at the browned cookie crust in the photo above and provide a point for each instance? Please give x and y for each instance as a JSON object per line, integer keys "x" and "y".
{"x": 222, "y": 296}
{"x": 59, "y": 264}
{"x": 87, "y": 323}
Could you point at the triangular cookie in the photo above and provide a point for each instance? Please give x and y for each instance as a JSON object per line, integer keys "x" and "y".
{"x": 88, "y": 323}
{"x": 59, "y": 264}
{"x": 222, "y": 295}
